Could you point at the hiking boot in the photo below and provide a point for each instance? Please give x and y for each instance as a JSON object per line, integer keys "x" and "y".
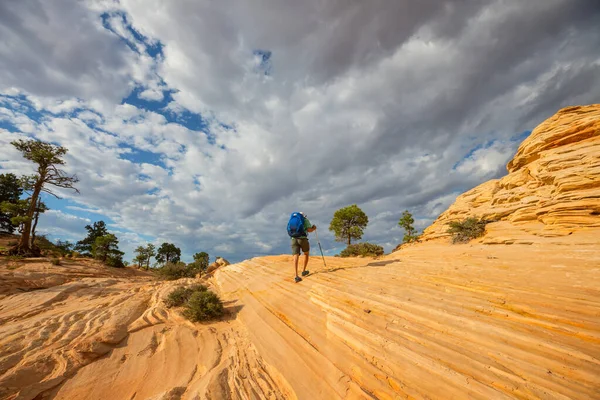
{"x": 304, "y": 273}
{"x": 297, "y": 279}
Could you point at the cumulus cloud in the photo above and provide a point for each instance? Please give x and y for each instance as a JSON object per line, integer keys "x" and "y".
{"x": 243, "y": 112}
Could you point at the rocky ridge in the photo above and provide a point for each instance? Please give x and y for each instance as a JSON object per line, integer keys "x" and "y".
{"x": 552, "y": 187}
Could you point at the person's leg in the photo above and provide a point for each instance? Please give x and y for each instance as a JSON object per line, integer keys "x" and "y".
{"x": 295, "y": 254}
{"x": 305, "y": 260}
{"x": 306, "y": 250}
{"x": 296, "y": 263}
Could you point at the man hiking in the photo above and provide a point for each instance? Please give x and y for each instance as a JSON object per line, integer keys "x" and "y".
{"x": 298, "y": 228}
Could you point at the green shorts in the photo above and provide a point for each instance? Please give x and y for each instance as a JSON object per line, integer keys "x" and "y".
{"x": 300, "y": 243}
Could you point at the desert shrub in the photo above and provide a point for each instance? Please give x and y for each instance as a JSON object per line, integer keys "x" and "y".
{"x": 182, "y": 294}
{"x": 177, "y": 297}
{"x": 194, "y": 268}
{"x": 75, "y": 254}
{"x": 172, "y": 271}
{"x": 203, "y": 306}
{"x": 55, "y": 261}
{"x": 362, "y": 250}
{"x": 115, "y": 261}
{"x": 467, "y": 229}
{"x": 410, "y": 238}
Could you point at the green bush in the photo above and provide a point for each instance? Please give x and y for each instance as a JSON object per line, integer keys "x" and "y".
{"x": 177, "y": 297}
{"x": 173, "y": 271}
{"x": 202, "y": 306}
{"x": 55, "y": 261}
{"x": 362, "y": 250}
{"x": 115, "y": 261}
{"x": 182, "y": 294}
{"x": 467, "y": 229}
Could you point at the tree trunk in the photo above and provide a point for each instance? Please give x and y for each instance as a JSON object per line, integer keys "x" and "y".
{"x": 35, "y": 219}
{"x": 23, "y": 248}
{"x": 348, "y": 240}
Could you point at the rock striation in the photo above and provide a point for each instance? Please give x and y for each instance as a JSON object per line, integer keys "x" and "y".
{"x": 552, "y": 187}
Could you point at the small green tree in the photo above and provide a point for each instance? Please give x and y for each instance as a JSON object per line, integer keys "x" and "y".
{"x": 107, "y": 248}
{"x": 10, "y": 192}
{"x": 84, "y": 246}
{"x": 47, "y": 157}
{"x": 18, "y": 214}
{"x": 348, "y": 223}
{"x": 406, "y": 222}
{"x": 144, "y": 254}
{"x": 199, "y": 264}
{"x": 168, "y": 252}
{"x": 202, "y": 260}
{"x": 64, "y": 246}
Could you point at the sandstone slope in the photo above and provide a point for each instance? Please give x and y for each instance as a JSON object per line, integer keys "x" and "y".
{"x": 431, "y": 321}
{"x": 552, "y": 187}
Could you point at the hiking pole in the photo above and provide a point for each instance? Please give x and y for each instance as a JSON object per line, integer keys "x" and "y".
{"x": 320, "y": 248}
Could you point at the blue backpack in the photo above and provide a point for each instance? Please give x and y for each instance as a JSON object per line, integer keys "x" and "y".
{"x": 295, "y": 227}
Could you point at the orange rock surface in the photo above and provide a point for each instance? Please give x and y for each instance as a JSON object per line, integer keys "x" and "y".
{"x": 552, "y": 187}
{"x": 431, "y": 321}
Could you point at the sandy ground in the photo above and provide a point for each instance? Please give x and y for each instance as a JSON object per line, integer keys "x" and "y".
{"x": 433, "y": 321}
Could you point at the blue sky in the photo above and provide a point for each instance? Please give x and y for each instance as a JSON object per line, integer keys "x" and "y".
{"x": 206, "y": 124}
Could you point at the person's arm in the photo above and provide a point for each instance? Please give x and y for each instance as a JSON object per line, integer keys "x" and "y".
{"x": 312, "y": 229}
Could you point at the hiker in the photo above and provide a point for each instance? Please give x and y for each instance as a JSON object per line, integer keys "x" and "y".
{"x": 298, "y": 228}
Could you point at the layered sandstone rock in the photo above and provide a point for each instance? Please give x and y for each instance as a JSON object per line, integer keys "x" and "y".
{"x": 433, "y": 321}
{"x": 552, "y": 187}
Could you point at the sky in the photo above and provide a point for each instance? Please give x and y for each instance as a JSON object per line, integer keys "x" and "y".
{"x": 206, "y": 123}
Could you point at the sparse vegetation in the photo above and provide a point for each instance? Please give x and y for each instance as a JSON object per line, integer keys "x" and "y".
{"x": 84, "y": 247}
{"x": 48, "y": 158}
{"x": 182, "y": 294}
{"x": 348, "y": 223}
{"x": 467, "y": 229}
{"x": 168, "y": 252}
{"x": 199, "y": 303}
{"x": 10, "y": 192}
{"x": 55, "y": 261}
{"x": 203, "y": 306}
{"x": 173, "y": 271}
{"x": 106, "y": 249}
{"x": 115, "y": 261}
{"x": 144, "y": 254}
{"x": 362, "y": 250}
{"x": 406, "y": 222}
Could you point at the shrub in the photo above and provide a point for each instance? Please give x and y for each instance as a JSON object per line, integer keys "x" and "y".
{"x": 115, "y": 261}
{"x": 182, "y": 294}
{"x": 467, "y": 229}
{"x": 202, "y": 306}
{"x": 177, "y": 297}
{"x": 173, "y": 271}
{"x": 55, "y": 261}
{"x": 363, "y": 250}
